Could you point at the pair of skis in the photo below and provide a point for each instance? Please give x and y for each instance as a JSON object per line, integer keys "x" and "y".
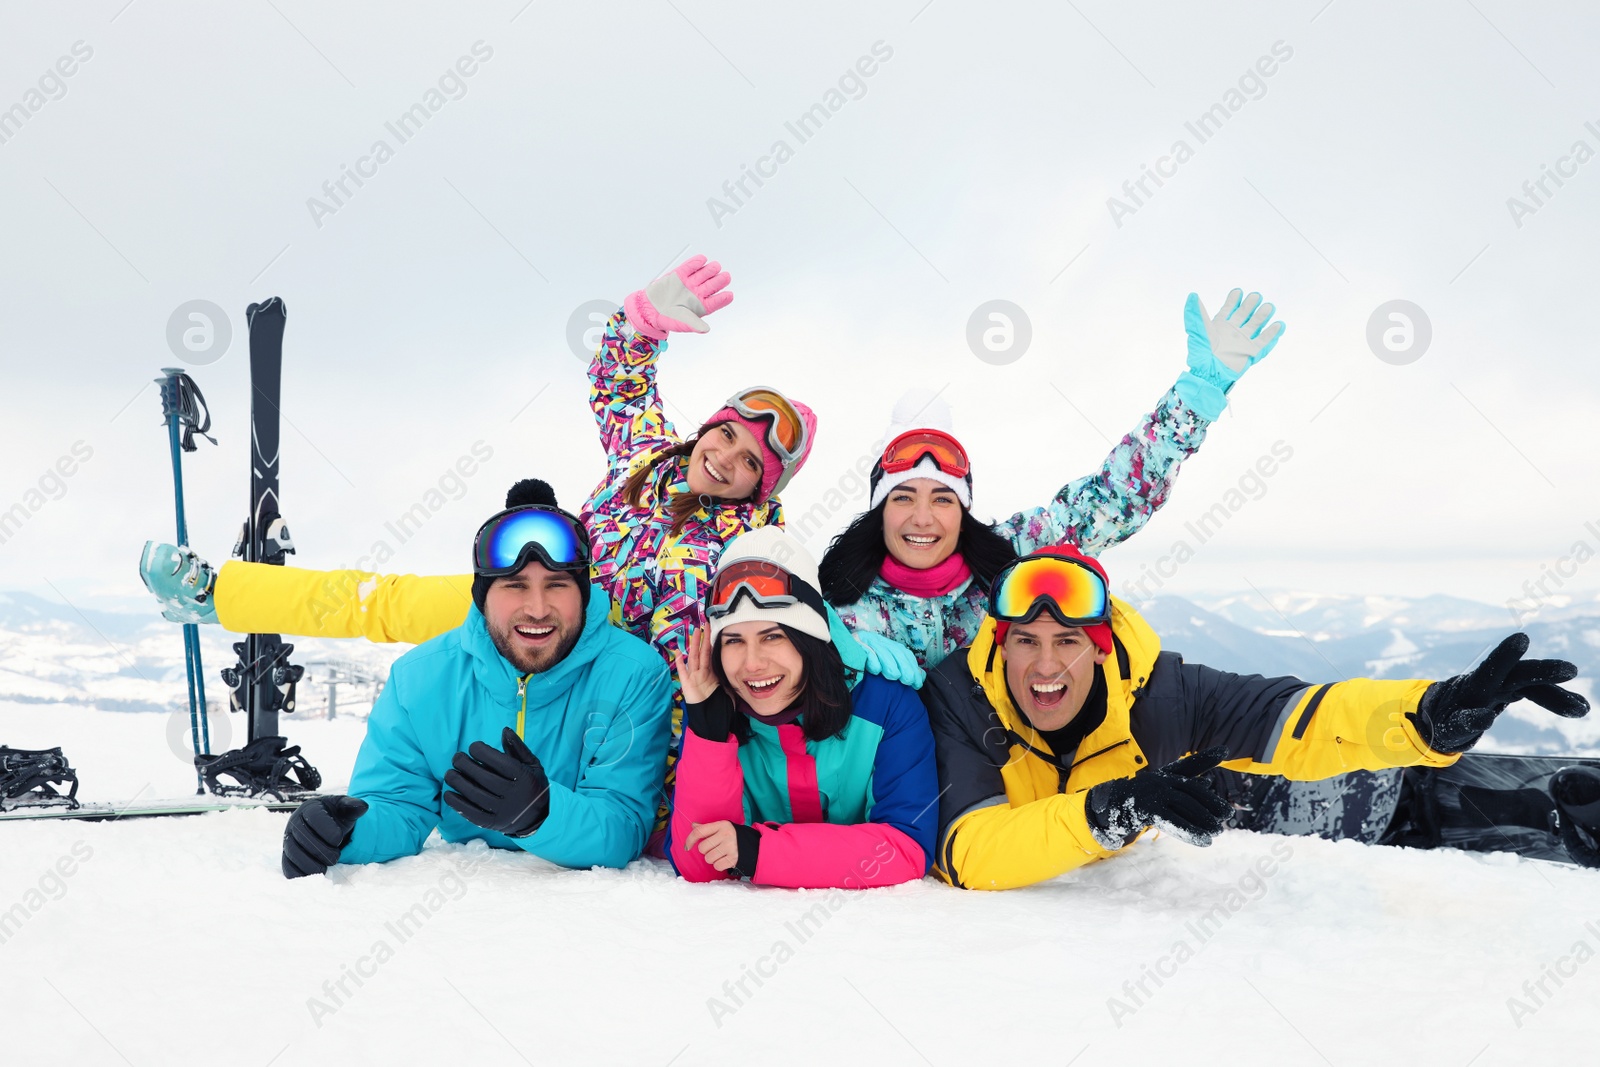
{"x": 264, "y": 772}
{"x": 263, "y": 681}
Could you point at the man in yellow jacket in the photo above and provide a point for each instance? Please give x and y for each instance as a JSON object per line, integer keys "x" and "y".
{"x": 1063, "y": 732}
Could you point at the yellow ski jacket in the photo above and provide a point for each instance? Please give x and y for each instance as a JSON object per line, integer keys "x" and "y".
{"x": 1012, "y": 812}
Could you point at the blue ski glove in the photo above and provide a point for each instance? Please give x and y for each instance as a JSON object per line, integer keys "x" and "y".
{"x": 870, "y": 653}
{"x": 850, "y": 650}
{"x": 890, "y": 660}
{"x": 181, "y": 580}
{"x": 1223, "y": 347}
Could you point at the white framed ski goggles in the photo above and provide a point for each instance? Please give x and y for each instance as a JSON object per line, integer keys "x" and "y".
{"x": 787, "y": 434}
{"x": 764, "y": 582}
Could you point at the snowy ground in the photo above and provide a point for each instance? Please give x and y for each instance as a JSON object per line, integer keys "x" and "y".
{"x": 177, "y": 941}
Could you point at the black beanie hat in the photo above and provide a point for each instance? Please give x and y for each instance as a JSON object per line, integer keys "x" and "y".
{"x": 527, "y": 492}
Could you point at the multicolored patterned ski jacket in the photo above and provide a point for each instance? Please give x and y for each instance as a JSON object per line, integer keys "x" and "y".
{"x": 1094, "y": 512}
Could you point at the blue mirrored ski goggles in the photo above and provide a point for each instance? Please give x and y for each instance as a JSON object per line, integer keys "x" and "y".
{"x": 508, "y": 541}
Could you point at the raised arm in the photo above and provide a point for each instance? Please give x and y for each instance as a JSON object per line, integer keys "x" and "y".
{"x": 622, "y": 375}
{"x": 622, "y": 390}
{"x": 257, "y": 598}
{"x": 1107, "y": 507}
{"x": 1104, "y": 508}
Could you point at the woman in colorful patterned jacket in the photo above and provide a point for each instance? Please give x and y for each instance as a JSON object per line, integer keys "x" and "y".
{"x": 789, "y": 776}
{"x": 916, "y": 566}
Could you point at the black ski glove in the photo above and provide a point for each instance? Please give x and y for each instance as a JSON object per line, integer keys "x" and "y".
{"x": 1576, "y": 791}
{"x": 711, "y": 718}
{"x": 1173, "y": 799}
{"x": 317, "y": 832}
{"x": 749, "y": 839}
{"x": 504, "y": 791}
{"x": 1455, "y": 713}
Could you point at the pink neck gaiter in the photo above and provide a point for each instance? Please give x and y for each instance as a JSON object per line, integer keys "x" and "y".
{"x": 929, "y": 582}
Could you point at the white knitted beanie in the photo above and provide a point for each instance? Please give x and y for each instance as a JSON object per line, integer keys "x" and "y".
{"x": 919, "y": 409}
{"x": 773, "y": 545}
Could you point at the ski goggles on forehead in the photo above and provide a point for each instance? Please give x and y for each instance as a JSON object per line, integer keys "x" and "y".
{"x": 512, "y": 539}
{"x": 764, "y": 582}
{"x": 786, "y": 430}
{"x": 909, "y": 449}
{"x": 1073, "y": 593}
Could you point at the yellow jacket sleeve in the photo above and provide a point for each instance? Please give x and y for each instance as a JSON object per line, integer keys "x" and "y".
{"x": 1361, "y": 724}
{"x": 258, "y": 598}
{"x": 1003, "y": 847}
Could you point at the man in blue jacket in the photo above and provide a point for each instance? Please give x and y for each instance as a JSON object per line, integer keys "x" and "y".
{"x": 577, "y": 707}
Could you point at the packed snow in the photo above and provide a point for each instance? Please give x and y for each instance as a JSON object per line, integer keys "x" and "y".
{"x": 177, "y": 941}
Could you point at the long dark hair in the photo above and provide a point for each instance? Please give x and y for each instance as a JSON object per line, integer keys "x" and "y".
{"x": 684, "y": 504}
{"x": 824, "y": 699}
{"x": 856, "y": 555}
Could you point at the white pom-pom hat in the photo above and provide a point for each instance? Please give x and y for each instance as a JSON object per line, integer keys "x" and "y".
{"x": 773, "y": 545}
{"x": 919, "y": 409}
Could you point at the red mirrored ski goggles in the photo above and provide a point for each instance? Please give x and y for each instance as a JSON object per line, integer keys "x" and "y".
{"x": 907, "y": 450}
{"x": 764, "y": 582}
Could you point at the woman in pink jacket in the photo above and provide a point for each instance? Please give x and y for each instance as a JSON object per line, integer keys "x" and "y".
{"x": 787, "y": 776}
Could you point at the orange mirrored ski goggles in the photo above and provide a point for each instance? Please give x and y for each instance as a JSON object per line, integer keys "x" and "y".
{"x": 763, "y": 581}
{"x": 786, "y": 430}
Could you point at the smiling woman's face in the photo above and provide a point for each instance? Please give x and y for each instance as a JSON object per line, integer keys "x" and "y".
{"x": 725, "y": 463}
{"x": 762, "y": 665}
{"x": 921, "y": 522}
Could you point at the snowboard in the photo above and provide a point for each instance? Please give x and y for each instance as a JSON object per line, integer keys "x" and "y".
{"x": 98, "y": 812}
{"x": 1485, "y": 802}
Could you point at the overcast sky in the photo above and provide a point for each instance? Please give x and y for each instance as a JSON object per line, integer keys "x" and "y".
{"x": 185, "y": 155}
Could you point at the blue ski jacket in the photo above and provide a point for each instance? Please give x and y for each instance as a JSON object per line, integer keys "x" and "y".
{"x": 598, "y": 721}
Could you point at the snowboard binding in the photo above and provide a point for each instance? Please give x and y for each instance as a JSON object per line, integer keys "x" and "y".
{"x": 29, "y": 777}
{"x": 1576, "y": 792}
{"x": 271, "y": 664}
{"x": 264, "y": 767}
{"x": 1502, "y": 803}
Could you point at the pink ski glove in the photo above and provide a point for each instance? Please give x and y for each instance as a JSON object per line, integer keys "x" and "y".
{"x": 676, "y": 301}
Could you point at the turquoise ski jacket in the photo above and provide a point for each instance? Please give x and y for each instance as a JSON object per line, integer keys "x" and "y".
{"x": 598, "y": 721}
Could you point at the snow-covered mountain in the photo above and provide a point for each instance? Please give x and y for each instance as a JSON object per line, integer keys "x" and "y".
{"x": 1321, "y": 638}
{"x": 55, "y": 654}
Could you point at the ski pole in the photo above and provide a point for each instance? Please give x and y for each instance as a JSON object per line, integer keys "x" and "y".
{"x": 178, "y": 404}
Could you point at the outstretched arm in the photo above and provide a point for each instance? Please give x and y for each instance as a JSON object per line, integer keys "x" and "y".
{"x": 1106, "y": 508}
{"x": 1109, "y": 506}
{"x": 258, "y": 598}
